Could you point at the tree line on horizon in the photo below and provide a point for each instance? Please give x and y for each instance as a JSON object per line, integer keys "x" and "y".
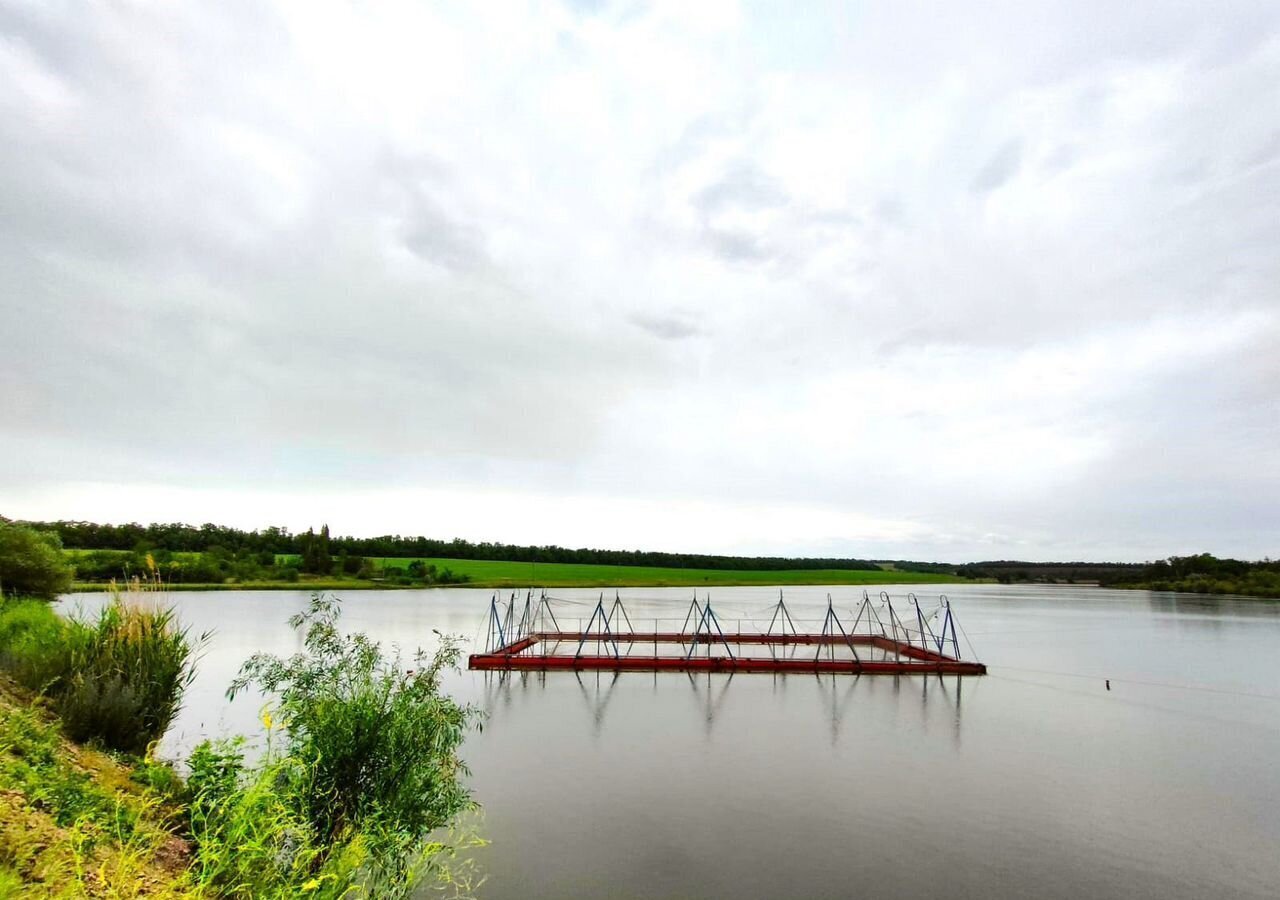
{"x": 1204, "y": 573}
{"x": 246, "y": 555}
{"x": 1200, "y": 573}
{"x": 33, "y": 563}
{"x": 180, "y": 537}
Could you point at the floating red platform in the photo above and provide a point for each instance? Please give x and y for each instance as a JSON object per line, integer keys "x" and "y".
{"x": 896, "y": 648}
{"x": 523, "y": 655}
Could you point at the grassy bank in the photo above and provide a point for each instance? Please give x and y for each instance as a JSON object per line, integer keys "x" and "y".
{"x": 357, "y": 782}
{"x": 490, "y": 573}
{"x": 302, "y": 584}
{"x": 76, "y": 822}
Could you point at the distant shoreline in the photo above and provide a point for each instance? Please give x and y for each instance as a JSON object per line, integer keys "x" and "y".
{"x": 798, "y": 578}
{"x": 333, "y": 585}
{"x": 1193, "y": 588}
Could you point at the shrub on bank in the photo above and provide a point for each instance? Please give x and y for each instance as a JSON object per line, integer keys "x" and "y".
{"x": 367, "y": 769}
{"x": 360, "y": 770}
{"x": 252, "y": 837}
{"x": 35, "y": 644}
{"x": 32, "y": 563}
{"x": 128, "y": 678}
{"x": 117, "y": 679}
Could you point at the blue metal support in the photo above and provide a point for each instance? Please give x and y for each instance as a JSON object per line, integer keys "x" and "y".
{"x": 949, "y": 622}
{"x": 695, "y": 609}
{"x": 716, "y": 621}
{"x": 615, "y": 610}
{"x": 604, "y": 625}
{"x": 919, "y": 618}
{"x": 827, "y": 622}
{"x": 708, "y": 619}
{"x": 924, "y": 626}
{"x": 495, "y": 623}
{"x": 697, "y": 630}
{"x": 525, "y": 626}
{"x": 511, "y": 612}
{"x": 782, "y": 616}
{"x": 866, "y": 609}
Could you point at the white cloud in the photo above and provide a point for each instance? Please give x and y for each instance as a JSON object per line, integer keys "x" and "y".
{"x": 944, "y": 284}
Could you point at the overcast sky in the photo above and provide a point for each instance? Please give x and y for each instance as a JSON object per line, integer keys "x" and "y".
{"x": 889, "y": 280}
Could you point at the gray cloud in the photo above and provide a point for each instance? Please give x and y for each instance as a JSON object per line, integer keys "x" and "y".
{"x": 742, "y": 186}
{"x": 431, "y": 235}
{"x": 667, "y": 327}
{"x": 737, "y": 246}
{"x": 999, "y": 168}
{"x": 1269, "y": 152}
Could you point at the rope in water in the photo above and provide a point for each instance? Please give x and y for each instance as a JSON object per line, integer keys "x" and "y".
{"x": 1160, "y": 684}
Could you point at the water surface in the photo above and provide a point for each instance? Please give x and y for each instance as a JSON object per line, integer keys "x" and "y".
{"x": 1034, "y": 781}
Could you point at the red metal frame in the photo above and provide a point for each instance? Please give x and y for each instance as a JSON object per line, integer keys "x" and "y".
{"x": 918, "y": 659}
{"x": 512, "y": 641}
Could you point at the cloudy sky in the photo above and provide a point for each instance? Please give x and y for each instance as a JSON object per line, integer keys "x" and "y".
{"x": 891, "y": 280}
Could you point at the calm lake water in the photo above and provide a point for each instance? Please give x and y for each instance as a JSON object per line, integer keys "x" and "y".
{"x": 1034, "y": 781}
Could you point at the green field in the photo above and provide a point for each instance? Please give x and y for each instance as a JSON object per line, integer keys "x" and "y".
{"x": 495, "y": 573}
{"x": 490, "y": 573}
{"x": 178, "y": 555}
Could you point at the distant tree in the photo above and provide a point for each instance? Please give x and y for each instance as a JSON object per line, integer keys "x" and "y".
{"x": 32, "y": 563}
{"x": 316, "y": 558}
{"x": 324, "y": 561}
{"x": 307, "y": 551}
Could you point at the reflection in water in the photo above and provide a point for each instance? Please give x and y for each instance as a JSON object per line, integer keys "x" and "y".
{"x": 711, "y": 691}
{"x": 653, "y": 785}
{"x": 710, "y": 697}
{"x": 598, "y": 702}
{"x": 838, "y": 701}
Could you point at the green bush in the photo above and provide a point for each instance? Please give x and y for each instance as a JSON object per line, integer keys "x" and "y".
{"x": 105, "y": 565}
{"x": 252, "y": 839}
{"x": 127, "y": 680}
{"x": 32, "y": 562}
{"x": 36, "y": 644}
{"x": 118, "y": 679}
{"x": 369, "y": 765}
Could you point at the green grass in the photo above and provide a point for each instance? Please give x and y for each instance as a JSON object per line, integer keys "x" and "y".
{"x": 497, "y": 573}
{"x": 75, "y": 822}
{"x": 305, "y": 583}
{"x": 345, "y": 809}
{"x": 117, "y": 678}
{"x": 177, "y": 555}
{"x": 491, "y": 573}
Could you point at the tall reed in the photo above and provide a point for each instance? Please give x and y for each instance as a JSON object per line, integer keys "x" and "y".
{"x": 127, "y": 681}
{"x": 117, "y": 678}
